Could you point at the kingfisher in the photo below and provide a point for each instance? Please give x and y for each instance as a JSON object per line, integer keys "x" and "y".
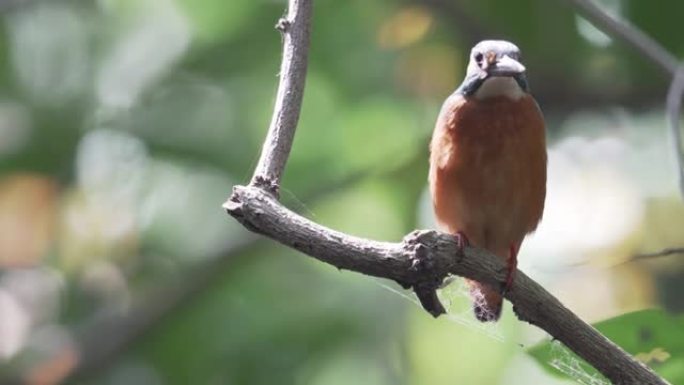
{"x": 488, "y": 163}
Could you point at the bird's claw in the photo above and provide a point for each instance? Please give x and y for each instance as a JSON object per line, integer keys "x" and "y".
{"x": 508, "y": 284}
{"x": 462, "y": 240}
{"x": 511, "y": 268}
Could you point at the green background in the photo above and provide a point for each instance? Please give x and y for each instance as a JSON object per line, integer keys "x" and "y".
{"x": 124, "y": 125}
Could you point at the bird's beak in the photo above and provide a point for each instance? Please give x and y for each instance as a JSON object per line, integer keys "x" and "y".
{"x": 505, "y": 66}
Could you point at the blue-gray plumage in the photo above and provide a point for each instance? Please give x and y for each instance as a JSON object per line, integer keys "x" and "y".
{"x": 491, "y": 58}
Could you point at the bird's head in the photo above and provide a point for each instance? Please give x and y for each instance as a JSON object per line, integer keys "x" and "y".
{"x": 494, "y": 70}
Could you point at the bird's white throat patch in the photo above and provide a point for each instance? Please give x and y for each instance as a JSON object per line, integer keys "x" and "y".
{"x": 499, "y": 86}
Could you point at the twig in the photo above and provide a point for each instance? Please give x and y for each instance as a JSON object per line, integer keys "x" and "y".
{"x": 424, "y": 258}
{"x": 628, "y": 34}
{"x": 276, "y": 149}
{"x": 102, "y": 338}
{"x": 657, "y": 254}
{"x": 107, "y": 334}
{"x": 674, "y": 106}
{"x": 654, "y": 52}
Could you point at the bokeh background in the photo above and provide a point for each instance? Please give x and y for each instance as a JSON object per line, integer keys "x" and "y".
{"x": 125, "y": 123}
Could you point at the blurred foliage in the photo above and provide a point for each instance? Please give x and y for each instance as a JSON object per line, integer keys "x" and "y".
{"x": 652, "y": 336}
{"x": 125, "y": 123}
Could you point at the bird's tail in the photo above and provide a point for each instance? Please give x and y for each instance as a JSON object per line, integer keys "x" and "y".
{"x": 487, "y": 301}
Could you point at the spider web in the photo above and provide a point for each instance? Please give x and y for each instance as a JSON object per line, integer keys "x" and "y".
{"x": 457, "y": 300}
{"x": 567, "y": 363}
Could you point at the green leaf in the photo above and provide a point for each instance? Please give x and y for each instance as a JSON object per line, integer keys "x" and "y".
{"x": 654, "y": 337}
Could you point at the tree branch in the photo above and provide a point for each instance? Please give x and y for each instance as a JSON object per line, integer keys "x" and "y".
{"x": 657, "y": 254}
{"x": 276, "y": 149}
{"x": 656, "y": 54}
{"x": 627, "y": 34}
{"x": 424, "y": 258}
{"x": 674, "y": 106}
{"x": 100, "y": 340}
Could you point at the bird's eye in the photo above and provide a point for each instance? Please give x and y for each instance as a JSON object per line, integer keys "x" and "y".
{"x": 478, "y": 58}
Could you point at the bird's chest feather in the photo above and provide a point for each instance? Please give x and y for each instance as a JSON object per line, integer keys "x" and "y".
{"x": 490, "y": 137}
{"x": 488, "y": 158}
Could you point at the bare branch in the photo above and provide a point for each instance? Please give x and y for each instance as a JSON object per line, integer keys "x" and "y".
{"x": 628, "y": 34}
{"x": 424, "y": 258}
{"x": 674, "y": 106}
{"x": 100, "y": 340}
{"x": 276, "y": 149}
{"x": 654, "y": 52}
{"x": 657, "y": 254}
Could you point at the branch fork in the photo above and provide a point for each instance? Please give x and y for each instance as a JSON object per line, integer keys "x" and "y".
{"x": 419, "y": 261}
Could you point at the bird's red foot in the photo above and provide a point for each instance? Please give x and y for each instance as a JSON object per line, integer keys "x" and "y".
{"x": 511, "y": 268}
{"x": 462, "y": 240}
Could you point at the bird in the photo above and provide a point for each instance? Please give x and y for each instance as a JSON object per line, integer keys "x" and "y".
{"x": 488, "y": 159}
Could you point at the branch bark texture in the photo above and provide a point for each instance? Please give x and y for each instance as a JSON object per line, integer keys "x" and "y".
{"x": 295, "y": 30}
{"x": 424, "y": 258}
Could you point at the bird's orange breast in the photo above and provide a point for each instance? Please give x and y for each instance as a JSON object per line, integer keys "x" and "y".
{"x": 488, "y": 168}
